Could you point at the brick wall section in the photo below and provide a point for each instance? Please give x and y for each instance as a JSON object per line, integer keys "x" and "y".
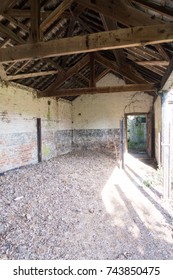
{"x": 19, "y": 110}
{"x": 101, "y": 140}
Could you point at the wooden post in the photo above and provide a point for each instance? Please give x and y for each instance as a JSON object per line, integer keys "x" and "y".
{"x": 122, "y": 144}
{"x": 166, "y": 147}
{"x": 39, "y": 150}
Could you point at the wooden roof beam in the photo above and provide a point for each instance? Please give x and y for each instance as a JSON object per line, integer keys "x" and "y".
{"x": 157, "y": 8}
{"x": 117, "y": 9}
{"x": 130, "y": 75}
{"x": 55, "y": 14}
{"x": 30, "y": 75}
{"x": 153, "y": 62}
{"x": 108, "y": 40}
{"x": 100, "y": 90}
{"x": 63, "y": 76}
{"x": 119, "y": 54}
{"x": 35, "y": 21}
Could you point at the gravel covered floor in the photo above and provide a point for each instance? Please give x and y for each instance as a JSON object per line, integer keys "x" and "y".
{"x": 81, "y": 206}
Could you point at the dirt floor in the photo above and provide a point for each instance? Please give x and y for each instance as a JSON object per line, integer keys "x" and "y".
{"x": 81, "y": 206}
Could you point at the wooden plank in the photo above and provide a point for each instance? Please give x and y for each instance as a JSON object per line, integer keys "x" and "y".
{"x": 55, "y": 14}
{"x": 31, "y": 75}
{"x": 99, "y": 90}
{"x": 35, "y": 20}
{"x": 4, "y": 29}
{"x": 153, "y": 62}
{"x": 117, "y": 9}
{"x": 116, "y": 39}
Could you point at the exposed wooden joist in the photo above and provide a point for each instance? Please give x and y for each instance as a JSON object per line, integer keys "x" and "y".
{"x": 63, "y": 76}
{"x": 31, "y": 75}
{"x": 35, "y": 21}
{"x": 100, "y": 90}
{"x": 116, "y": 39}
{"x": 5, "y": 4}
{"x": 25, "y": 63}
{"x": 113, "y": 66}
{"x": 153, "y": 62}
{"x": 117, "y": 9}
{"x": 16, "y": 22}
{"x": 157, "y": 8}
{"x": 55, "y": 14}
{"x": 110, "y": 25}
{"x": 119, "y": 54}
{"x": 4, "y": 29}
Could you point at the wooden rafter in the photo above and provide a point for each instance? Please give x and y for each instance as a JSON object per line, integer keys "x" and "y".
{"x": 101, "y": 75}
{"x": 100, "y": 90}
{"x": 31, "y": 75}
{"x": 110, "y": 25}
{"x": 119, "y": 54}
{"x": 162, "y": 52}
{"x": 16, "y": 22}
{"x": 4, "y": 29}
{"x": 157, "y": 8}
{"x": 55, "y": 14}
{"x": 116, "y": 9}
{"x": 35, "y": 20}
{"x": 63, "y": 76}
{"x": 123, "y": 72}
{"x": 116, "y": 39}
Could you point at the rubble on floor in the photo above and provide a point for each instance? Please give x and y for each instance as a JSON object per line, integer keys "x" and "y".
{"x": 81, "y": 206}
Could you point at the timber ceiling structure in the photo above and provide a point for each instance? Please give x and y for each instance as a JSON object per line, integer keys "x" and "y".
{"x": 63, "y": 48}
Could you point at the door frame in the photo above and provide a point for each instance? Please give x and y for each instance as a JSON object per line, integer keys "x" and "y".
{"x": 148, "y": 137}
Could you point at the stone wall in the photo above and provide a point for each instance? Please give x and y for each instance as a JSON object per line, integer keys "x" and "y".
{"x": 19, "y": 110}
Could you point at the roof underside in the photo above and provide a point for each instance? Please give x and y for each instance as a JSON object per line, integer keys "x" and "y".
{"x": 29, "y": 22}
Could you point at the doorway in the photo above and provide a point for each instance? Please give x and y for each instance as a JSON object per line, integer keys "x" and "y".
{"x": 136, "y": 133}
